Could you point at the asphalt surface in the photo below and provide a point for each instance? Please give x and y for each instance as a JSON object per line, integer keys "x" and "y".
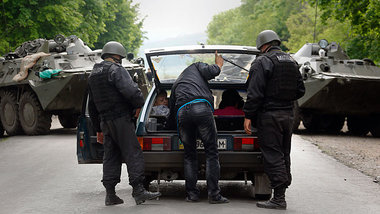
{"x": 40, "y": 174}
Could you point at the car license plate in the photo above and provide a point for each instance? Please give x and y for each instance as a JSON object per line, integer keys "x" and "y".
{"x": 222, "y": 144}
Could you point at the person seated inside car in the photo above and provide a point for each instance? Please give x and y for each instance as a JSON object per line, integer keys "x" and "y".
{"x": 231, "y": 104}
{"x": 160, "y": 107}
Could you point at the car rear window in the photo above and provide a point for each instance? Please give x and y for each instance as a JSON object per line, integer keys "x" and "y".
{"x": 169, "y": 67}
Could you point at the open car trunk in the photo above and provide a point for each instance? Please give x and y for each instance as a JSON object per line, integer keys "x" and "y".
{"x": 224, "y": 123}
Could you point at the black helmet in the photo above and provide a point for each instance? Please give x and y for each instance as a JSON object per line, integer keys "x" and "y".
{"x": 114, "y": 48}
{"x": 265, "y": 37}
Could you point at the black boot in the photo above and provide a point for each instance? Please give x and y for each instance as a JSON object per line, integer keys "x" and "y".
{"x": 140, "y": 194}
{"x": 111, "y": 197}
{"x": 218, "y": 200}
{"x": 277, "y": 202}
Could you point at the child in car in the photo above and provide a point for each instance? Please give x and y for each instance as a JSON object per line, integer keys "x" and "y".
{"x": 160, "y": 107}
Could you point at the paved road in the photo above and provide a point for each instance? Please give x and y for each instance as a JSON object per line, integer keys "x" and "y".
{"x": 39, "y": 174}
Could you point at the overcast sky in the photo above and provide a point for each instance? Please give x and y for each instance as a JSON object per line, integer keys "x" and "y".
{"x": 175, "y": 18}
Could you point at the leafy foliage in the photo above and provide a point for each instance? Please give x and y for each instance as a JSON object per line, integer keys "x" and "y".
{"x": 354, "y": 24}
{"x": 240, "y": 26}
{"x": 363, "y": 16}
{"x": 125, "y": 27}
{"x": 94, "y": 21}
{"x": 301, "y": 28}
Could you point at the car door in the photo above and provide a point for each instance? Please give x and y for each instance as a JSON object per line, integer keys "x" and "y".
{"x": 88, "y": 149}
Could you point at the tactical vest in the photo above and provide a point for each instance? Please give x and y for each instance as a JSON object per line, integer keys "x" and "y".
{"x": 109, "y": 102}
{"x": 282, "y": 84}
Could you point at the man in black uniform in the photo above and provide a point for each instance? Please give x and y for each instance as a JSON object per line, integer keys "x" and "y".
{"x": 113, "y": 101}
{"x": 191, "y": 105}
{"x": 274, "y": 84}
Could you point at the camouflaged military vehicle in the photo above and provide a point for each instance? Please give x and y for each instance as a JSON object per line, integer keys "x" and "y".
{"x": 337, "y": 89}
{"x": 44, "y": 78}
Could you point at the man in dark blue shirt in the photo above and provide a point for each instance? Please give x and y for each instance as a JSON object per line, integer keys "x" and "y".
{"x": 191, "y": 105}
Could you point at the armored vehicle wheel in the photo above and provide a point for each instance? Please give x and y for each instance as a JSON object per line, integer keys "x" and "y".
{"x": 375, "y": 126}
{"x": 375, "y": 131}
{"x": 331, "y": 124}
{"x": 9, "y": 113}
{"x": 326, "y": 123}
{"x": 33, "y": 119}
{"x": 68, "y": 120}
{"x": 1, "y": 130}
{"x": 358, "y": 125}
{"x": 297, "y": 117}
{"x": 310, "y": 121}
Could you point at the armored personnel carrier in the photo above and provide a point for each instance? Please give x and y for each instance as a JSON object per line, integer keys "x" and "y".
{"x": 48, "y": 77}
{"x": 337, "y": 89}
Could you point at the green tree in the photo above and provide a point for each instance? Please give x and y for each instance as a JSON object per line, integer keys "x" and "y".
{"x": 124, "y": 28}
{"x": 95, "y": 14}
{"x": 94, "y": 21}
{"x": 364, "y": 16}
{"x": 27, "y": 20}
{"x": 354, "y": 24}
{"x": 241, "y": 25}
{"x": 301, "y": 29}
{"x": 225, "y": 28}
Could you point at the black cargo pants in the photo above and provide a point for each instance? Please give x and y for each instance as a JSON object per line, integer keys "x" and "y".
{"x": 275, "y": 133}
{"x": 192, "y": 119}
{"x": 121, "y": 144}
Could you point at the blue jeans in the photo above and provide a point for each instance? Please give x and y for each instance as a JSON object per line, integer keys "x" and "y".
{"x": 194, "y": 120}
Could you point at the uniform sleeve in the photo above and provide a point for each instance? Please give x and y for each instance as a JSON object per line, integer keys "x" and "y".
{"x": 208, "y": 71}
{"x": 94, "y": 114}
{"x": 258, "y": 73}
{"x": 127, "y": 87}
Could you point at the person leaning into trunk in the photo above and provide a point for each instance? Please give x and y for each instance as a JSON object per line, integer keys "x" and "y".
{"x": 274, "y": 84}
{"x": 114, "y": 99}
{"x": 191, "y": 105}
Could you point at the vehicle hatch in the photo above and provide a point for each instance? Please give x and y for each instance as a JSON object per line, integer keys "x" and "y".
{"x": 167, "y": 64}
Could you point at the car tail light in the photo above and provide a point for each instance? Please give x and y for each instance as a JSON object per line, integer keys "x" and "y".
{"x": 245, "y": 143}
{"x": 81, "y": 137}
{"x": 155, "y": 143}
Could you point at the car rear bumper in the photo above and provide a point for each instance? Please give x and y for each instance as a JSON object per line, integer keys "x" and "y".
{"x": 250, "y": 161}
